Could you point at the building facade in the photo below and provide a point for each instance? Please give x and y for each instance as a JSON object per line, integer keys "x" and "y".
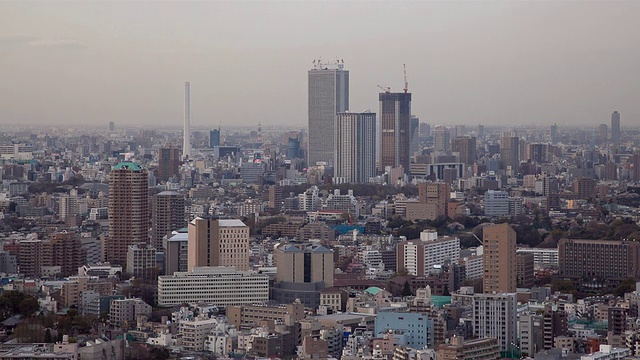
{"x": 219, "y": 286}
{"x": 328, "y": 95}
{"x": 499, "y": 259}
{"x": 394, "y": 132}
{"x": 218, "y": 242}
{"x": 355, "y": 155}
{"x": 128, "y": 210}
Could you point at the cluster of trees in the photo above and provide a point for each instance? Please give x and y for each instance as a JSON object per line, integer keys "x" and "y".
{"x": 17, "y": 303}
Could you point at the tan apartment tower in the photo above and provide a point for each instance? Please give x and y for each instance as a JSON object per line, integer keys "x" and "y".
{"x": 168, "y": 162}
{"x": 218, "y": 242}
{"x": 499, "y": 259}
{"x": 167, "y": 215}
{"x": 128, "y": 210}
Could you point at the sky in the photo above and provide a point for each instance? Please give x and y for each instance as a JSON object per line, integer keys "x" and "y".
{"x": 496, "y": 63}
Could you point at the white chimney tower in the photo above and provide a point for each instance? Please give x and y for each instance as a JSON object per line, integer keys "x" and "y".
{"x": 186, "y": 146}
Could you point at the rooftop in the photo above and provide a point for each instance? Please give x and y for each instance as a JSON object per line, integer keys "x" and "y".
{"x": 128, "y": 165}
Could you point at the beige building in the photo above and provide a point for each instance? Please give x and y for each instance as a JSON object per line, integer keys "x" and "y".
{"x": 287, "y": 314}
{"x": 479, "y": 349}
{"x": 499, "y": 259}
{"x": 125, "y": 312}
{"x": 435, "y": 193}
{"x": 218, "y": 242}
{"x": 311, "y": 264}
{"x": 72, "y": 289}
{"x": 128, "y": 210}
{"x": 167, "y": 215}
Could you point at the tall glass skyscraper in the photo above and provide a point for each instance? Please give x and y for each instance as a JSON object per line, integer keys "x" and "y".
{"x": 328, "y": 95}
{"x": 355, "y": 160}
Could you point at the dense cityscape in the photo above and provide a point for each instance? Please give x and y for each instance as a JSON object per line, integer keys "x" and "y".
{"x": 366, "y": 236}
{"x": 331, "y": 180}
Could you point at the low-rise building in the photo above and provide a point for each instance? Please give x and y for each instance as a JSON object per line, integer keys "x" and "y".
{"x": 220, "y": 286}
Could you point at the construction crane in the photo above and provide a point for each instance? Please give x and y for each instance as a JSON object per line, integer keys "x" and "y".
{"x": 406, "y": 84}
{"x": 385, "y": 89}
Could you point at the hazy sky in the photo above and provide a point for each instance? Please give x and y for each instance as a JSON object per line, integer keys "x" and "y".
{"x": 92, "y": 62}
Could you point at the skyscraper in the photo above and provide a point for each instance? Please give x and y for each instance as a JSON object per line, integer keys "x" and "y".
{"x": 395, "y": 112}
{"x": 214, "y": 138}
{"x": 615, "y": 126}
{"x": 510, "y": 150}
{"x": 167, "y": 215}
{"x": 328, "y": 95}
{"x": 355, "y": 156}
{"x": 554, "y": 133}
{"x": 414, "y": 135}
{"x": 186, "y": 144}
{"x": 499, "y": 259}
{"x": 218, "y": 242}
{"x": 603, "y": 132}
{"x": 441, "y": 139}
{"x": 465, "y": 146}
{"x": 168, "y": 162}
{"x": 128, "y": 210}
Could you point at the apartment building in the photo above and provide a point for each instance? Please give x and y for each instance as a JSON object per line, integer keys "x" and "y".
{"x": 220, "y": 286}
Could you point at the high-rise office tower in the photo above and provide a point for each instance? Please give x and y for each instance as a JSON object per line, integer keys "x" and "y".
{"x": 441, "y": 139}
{"x": 603, "y": 132}
{"x": 615, "y": 126}
{"x": 168, "y": 162}
{"x": 186, "y": 133}
{"x": 214, "y": 138}
{"x": 218, "y": 242}
{"x": 112, "y": 126}
{"x": 395, "y": 112}
{"x": 499, "y": 259}
{"x": 554, "y": 133}
{"x": 481, "y": 131}
{"x": 414, "y": 136}
{"x": 167, "y": 215}
{"x": 128, "y": 210}
{"x": 510, "y": 151}
{"x": 465, "y": 146}
{"x": 328, "y": 95}
{"x": 293, "y": 145}
{"x": 355, "y": 155}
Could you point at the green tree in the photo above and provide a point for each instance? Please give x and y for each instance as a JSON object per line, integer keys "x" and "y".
{"x": 29, "y": 306}
{"x": 406, "y": 289}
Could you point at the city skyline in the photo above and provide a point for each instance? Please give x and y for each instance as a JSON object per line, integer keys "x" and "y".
{"x": 467, "y": 63}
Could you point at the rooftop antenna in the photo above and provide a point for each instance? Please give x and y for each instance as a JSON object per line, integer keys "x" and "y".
{"x": 406, "y": 84}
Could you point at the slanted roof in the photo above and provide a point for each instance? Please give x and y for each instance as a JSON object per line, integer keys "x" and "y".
{"x": 374, "y": 290}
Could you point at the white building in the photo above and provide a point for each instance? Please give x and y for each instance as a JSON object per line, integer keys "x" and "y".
{"x": 496, "y": 203}
{"x": 127, "y": 311}
{"x": 220, "y": 286}
{"x": 541, "y": 257}
{"x": 607, "y": 352}
{"x": 420, "y": 257}
{"x": 309, "y": 200}
{"x": 355, "y": 157}
{"x": 346, "y": 203}
{"x": 495, "y": 315}
{"x": 473, "y": 267}
{"x": 194, "y": 333}
{"x": 328, "y": 95}
{"x": 141, "y": 260}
